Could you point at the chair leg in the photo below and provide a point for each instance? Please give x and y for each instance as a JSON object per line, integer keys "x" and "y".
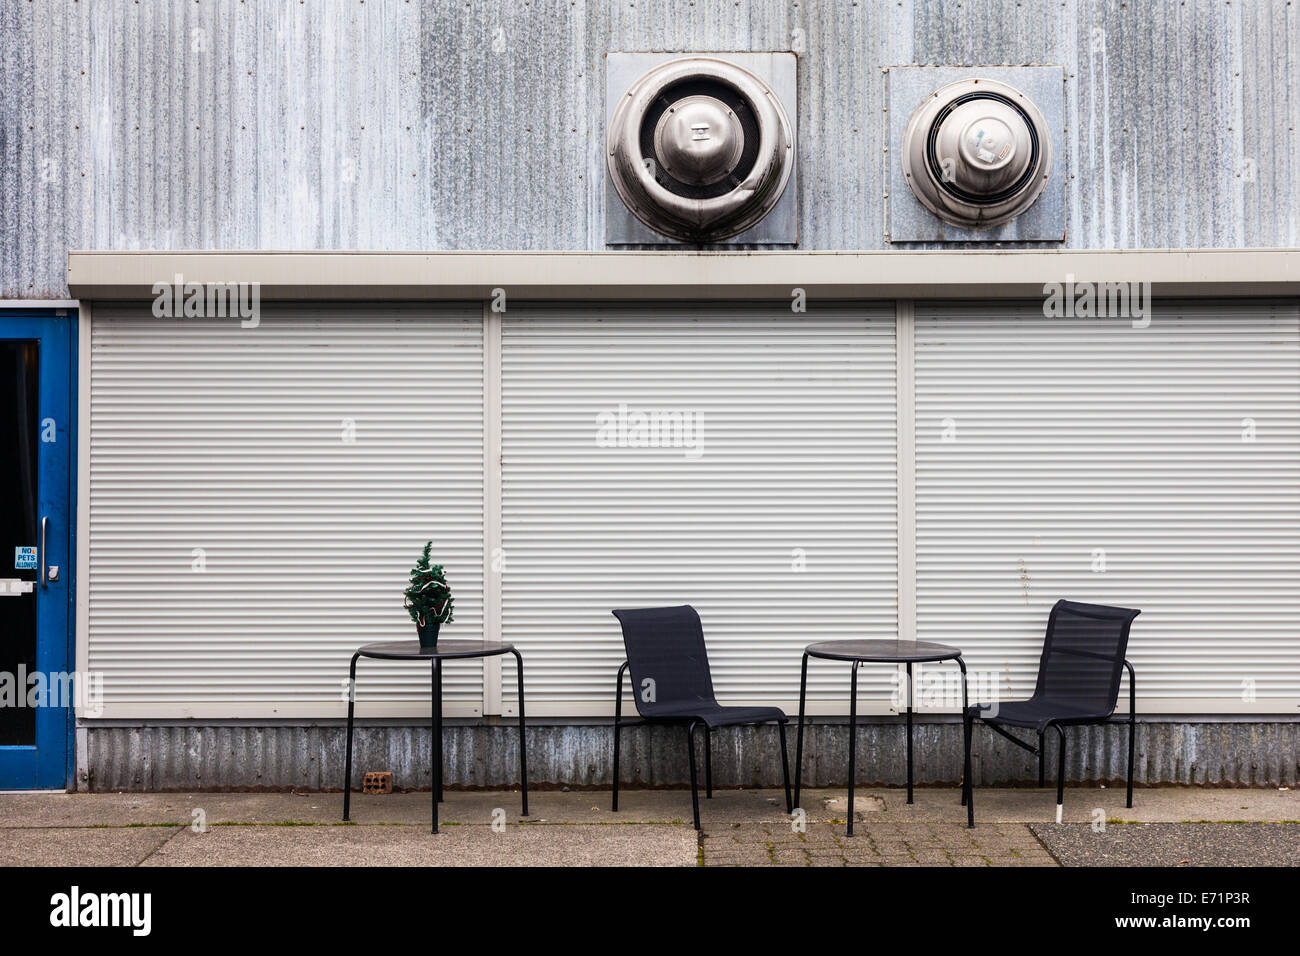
{"x": 785, "y": 768}
{"x": 617, "y": 727}
{"x": 965, "y": 706}
{"x": 708, "y": 763}
{"x": 347, "y": 761}
{"x": 968, "y": 784}
{"x": 1132, "y": 730}
{"x": 695, "y": 789}
{"x": 1060, "y": 773}
{"x": 1042, "y": 762}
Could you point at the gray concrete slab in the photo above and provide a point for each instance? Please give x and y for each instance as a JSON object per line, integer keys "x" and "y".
{"x": 1170, "y": 844}
{"x": 403, "y": 845}
{"x": 81, "y": 846}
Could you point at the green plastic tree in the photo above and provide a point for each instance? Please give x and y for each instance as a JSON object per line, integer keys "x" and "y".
{"x": 428, "y": 596}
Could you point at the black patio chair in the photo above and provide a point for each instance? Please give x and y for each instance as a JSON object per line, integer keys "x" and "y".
{"x": 1078, "y": 683}
{"x": 671, "y": 684}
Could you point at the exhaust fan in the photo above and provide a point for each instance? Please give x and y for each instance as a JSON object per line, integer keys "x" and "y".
{"x": 700, "y": 149}
{"x": 977, "y": 153}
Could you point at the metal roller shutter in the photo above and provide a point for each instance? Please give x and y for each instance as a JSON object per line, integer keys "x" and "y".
{"x": 205, "y": 435}
{"x": 782, "y": 531}
{"x": 1045, "y": 445}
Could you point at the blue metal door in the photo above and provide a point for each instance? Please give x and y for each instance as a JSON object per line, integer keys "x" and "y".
{"x": 37, "y": 454}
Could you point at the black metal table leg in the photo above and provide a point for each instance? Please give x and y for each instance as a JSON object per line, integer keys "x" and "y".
{"x": 523, "y": 732}
{"x": 966, "y": 789}
{"x": 798, "y": 746}
{"x": 438, "y": 672}
{"x": 347, "y": 761}
{"x": 853, "y": 740}
{"x": 436, "y": 743}
{"x": 909, "y": 731}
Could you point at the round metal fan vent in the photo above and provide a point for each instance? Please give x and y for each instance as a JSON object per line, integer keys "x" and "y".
{"x": 700, "y": 149}
{"x": 977, "y": 153}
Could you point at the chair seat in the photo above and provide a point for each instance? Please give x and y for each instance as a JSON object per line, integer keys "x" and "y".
{"x": 1037, "y": 713}
{"x": 713, "y": 715}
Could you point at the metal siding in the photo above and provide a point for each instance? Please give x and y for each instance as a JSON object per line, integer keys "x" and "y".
{"x": 798, "y": 453}
{"x": 45, "y": 84}
{"x": 1079, "y": 434}
{"x": 207, "y": 435}
{"x": 198, "y": 757}
{"x": 479, "y": 139}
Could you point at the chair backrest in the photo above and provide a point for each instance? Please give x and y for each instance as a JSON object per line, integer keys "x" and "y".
{"x": 665, "y": 646}
{"x": 1083, "y": 655}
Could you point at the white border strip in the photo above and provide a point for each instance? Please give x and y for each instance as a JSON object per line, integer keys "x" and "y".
{"x": 40, "y": 304}
{"x": 891, "y": 274}
{"x": 491, "y": 504}
{"x": 81, "y": 617}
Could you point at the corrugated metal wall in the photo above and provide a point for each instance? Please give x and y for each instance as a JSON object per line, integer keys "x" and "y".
{"x": 1156, "y": 468}
{"x": 257, "y": 497}
{"x": 172, "y": 757}
{"x": 772, "y": 510}
{"x": 454, "y": 125}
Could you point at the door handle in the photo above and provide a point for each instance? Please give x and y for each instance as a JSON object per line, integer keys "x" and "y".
{"x": 45, "y": 522}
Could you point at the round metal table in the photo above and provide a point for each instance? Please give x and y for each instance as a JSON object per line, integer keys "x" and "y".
{"x": 875, "y": 652}
{"x": 447, "y": 650}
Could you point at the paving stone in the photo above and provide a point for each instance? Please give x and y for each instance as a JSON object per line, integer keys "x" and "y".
{"x": 888, "y": 844}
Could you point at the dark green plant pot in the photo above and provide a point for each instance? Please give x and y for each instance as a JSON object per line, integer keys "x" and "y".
{"x": 428, "y": 633}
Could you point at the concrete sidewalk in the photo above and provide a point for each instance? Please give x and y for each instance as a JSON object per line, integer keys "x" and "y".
{"x": 1168, "y": 826}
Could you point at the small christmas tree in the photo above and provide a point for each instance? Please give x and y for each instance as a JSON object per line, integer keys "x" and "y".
{"x": 428, "y": 596}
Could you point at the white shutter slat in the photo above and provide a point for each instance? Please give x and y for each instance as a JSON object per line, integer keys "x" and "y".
{"x": 207, "y": 435}
{"x": 1082, "y": 434}
{"x": 799, "y": 445}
